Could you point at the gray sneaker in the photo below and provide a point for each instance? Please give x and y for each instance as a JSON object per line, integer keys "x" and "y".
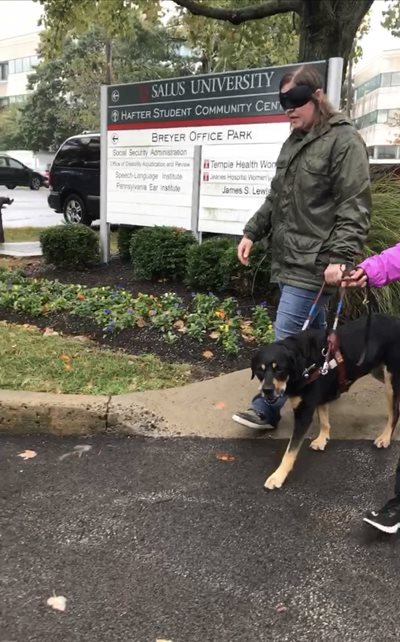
{"x": 253, "y": 419}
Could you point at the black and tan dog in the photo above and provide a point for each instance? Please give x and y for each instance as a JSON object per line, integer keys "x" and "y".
{"x": 292, "y": 367}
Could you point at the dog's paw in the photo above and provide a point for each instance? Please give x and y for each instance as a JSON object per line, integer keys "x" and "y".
{"x": 382, "y": 441}
{"x": 319, "y": 443}
{"x": 274, "y": 481}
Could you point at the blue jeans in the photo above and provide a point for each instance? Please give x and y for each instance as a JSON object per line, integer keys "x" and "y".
{"x": 293, "y": 309}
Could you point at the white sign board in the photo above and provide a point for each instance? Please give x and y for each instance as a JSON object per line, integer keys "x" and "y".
{"x": 148, "y": 185}
{"x": 235, "y": 180}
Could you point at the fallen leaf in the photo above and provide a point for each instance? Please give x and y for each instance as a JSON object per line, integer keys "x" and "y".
{"x": 80, "y": 296}
{"x": 214, "y": 334}
{"x": 140, "y": 322}
{"x": 179, "y": 324}
{"x": 78, "y": 450}
{"x": 248, "y": 337}
{"x": 65, "y": 357}
{"x": 207, "y": 354}
{"x": 28, "y": 326}
{"x": 220, "y": 405}
{"x": 67, "y": 366}
{"x": 57, "y": 602}
{"x": 27, "y": 454}
{"x": 225, "y": 457}
{"x": 49, "y": 332}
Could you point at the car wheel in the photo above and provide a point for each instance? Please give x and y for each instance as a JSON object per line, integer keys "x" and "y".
{"x": 36, "y": 183}
{"x": 10, "y": 186}
{"x": 75, "y": 211}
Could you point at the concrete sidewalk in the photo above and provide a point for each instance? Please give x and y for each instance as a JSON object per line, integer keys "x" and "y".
{"x": 200, "y": 409}
{"x": 28, "y": 248}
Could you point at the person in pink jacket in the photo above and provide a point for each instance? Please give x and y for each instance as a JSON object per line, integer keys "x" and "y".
{"x": 377, "y": 271}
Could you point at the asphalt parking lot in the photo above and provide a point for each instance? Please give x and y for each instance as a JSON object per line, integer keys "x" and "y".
{"x": 30, "y": 208}
{"x": 175, "y": 539}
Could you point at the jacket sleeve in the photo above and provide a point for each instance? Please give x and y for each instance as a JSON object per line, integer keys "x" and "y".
{"x": 383, "y": 268}
{"x": 352, "y": 195}
{"x": 259, "y": 226}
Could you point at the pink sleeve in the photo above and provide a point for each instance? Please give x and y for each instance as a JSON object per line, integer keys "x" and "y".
{"x": 383, "y": 268}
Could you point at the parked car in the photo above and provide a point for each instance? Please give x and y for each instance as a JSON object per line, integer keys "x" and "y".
{"x": 13, "y": 173}
{"x": 75, "y": 179}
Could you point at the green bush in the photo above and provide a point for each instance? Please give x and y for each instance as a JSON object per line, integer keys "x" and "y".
{"x": 384, "y": 232}
{"x": 160, "y": 252}
{"x": 245, "y": 279}
{"x": 124, "y": 237}
{"x": 203, "y": 268}
{"x": 70, "y": 245}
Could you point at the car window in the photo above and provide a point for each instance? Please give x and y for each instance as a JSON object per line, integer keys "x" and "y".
{"x": 79, "y": 152}
{"x": 2, "y": 161}
{"x": 14, "y": 163}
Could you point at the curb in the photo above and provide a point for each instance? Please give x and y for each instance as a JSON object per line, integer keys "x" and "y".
{"x": 75, "y": 415}
{"x": 201, "y": 409}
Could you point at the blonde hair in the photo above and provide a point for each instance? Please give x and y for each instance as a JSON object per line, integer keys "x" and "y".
{"x": 309, "y": 76}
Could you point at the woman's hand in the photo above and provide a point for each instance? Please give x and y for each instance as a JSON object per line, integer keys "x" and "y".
{"x": 244, "y": 249}
{"x": 333, "y": 274}
{"x": 356, "y": 279}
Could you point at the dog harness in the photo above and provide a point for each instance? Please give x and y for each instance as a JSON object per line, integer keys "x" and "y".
{"x": 333, "y": 356}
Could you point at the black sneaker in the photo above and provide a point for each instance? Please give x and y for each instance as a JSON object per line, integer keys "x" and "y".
{"x": 387, "y": 519}
{"x": 254, "y": 419}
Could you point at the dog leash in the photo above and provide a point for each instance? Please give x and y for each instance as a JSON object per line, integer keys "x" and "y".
{"x": 313, "y": 307}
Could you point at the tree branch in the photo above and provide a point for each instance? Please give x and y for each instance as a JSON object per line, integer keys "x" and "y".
{"x": 237, "y": 16}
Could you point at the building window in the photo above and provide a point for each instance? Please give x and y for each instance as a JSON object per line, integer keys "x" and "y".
{"x": 389, "y": 79}
{"x": 22, "y": 65}
{"x": 3, "y": 70}
{"x": 386, "y": 151}
{"x": 382, "y": 116}
{"x": 391, "y": 117}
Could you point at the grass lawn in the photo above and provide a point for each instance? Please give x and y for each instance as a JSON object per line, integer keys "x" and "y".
{"x": 23, "y": 234}
{"x": 31, "y": 360}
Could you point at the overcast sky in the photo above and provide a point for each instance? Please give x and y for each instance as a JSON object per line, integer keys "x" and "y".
{"x": 21, "y": 16}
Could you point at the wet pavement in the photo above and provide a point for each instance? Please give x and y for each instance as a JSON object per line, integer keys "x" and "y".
{"x": 171, "y": 539}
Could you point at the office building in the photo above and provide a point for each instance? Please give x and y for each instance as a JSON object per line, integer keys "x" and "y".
{"x": 376, "y": 106}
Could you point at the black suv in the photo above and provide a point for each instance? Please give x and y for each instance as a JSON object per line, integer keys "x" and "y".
{"x": 75, "y": 179}
{"x": 14, "y": 173}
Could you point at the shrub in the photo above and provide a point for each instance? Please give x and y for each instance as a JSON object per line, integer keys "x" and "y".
{"x": 246, "y": 279}
{"x": 70, "y": 245}
{"x": 160, "y": 252}
{"x": 124, "y": 236}
{"x": 203, "y": 268}
{"x": 384, "y": 232}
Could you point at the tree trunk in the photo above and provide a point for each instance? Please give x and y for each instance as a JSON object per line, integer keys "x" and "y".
{"x": 328, "y": 28}
{"x": 108, "y": 62}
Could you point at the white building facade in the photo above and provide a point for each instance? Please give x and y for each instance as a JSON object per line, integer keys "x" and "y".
{"x": 376, "y": 107}
{"x": 18, "y": 57}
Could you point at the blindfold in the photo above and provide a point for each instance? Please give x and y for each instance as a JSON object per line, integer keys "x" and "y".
{"x": 295, "y": 97}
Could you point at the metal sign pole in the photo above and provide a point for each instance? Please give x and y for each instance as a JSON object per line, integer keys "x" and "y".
{"x": 334, "y": 85}
{"x": 104, "y": 226}
{"x": 196, "y": 191}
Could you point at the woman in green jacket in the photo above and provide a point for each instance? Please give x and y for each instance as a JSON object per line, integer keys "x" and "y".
{"x": 316, "y": 215}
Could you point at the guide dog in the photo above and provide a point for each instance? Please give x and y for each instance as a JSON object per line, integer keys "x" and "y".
{"x": 293, "y": 366}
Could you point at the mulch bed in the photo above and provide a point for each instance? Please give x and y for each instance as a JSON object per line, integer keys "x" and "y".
{"x": 137, "y": 340}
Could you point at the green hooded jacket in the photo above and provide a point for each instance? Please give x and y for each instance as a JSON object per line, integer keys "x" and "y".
{"x": 318, "y": 209}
